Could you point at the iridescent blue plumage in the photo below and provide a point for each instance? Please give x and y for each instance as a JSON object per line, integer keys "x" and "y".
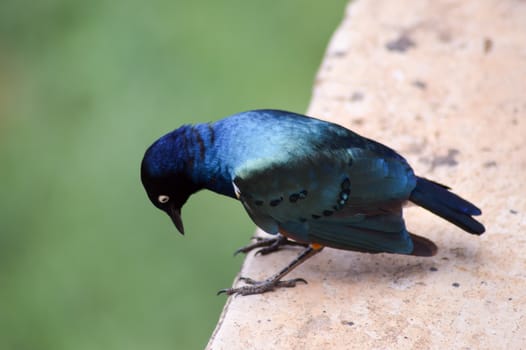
{"x": 314, "y": 181}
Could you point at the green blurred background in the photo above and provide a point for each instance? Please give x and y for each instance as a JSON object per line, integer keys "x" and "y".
{"x": 86, "y": 262}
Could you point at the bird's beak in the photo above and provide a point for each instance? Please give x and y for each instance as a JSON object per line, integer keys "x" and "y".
{"x": 175, "y": 215}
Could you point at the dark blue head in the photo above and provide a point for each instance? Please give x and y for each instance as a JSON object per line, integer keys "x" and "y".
{"x": 166, "y": 173}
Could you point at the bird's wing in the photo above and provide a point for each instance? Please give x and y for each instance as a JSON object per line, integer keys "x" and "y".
{"x": 346, "y": 198}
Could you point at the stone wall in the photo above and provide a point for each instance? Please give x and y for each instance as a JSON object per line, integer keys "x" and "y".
{"x": 443, "y": 83}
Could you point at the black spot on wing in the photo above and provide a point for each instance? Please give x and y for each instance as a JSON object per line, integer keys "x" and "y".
{"x": 344, "y": 194}
{"x": 343, "y": 197}
{"x": 276, "y": 202}
{"x": 293, "y": 198}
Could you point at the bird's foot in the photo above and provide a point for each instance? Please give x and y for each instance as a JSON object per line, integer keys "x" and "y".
{"x": 269, "y": 245}
{"x": 273, "y": 282}
{"x": 259, "y": 287}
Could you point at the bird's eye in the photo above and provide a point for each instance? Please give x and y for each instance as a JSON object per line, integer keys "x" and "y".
{"x": 163, "y": 199}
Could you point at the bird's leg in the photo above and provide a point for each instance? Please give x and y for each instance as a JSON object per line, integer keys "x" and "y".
{"x": 273, "y": 282}
{"x": 270, "y": 244}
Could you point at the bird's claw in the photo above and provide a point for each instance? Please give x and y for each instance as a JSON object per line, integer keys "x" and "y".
{"x": 259, "y": 242}
{"x": 259, "y": 287}
{"x": 269, "y": 245}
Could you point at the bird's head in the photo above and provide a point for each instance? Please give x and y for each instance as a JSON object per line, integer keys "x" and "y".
{"x": 165, "y": 175}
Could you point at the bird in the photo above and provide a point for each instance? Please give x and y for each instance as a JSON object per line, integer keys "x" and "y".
{"x": 305, "y": 181}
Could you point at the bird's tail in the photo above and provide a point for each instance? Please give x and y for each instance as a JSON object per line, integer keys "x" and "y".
{"x": 439, "y": 200}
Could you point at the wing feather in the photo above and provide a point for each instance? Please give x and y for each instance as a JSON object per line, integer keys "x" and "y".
{"x": 347, "y": 198}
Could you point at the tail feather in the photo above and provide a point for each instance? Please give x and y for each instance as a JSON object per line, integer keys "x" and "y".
{"x": 439, "y": 200}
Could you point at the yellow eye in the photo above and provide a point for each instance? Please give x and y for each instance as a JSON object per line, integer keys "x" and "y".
{"x": 163, "y": 199}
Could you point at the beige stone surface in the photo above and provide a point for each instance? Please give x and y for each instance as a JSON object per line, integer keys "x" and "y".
{"x": 444, "y": 83}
